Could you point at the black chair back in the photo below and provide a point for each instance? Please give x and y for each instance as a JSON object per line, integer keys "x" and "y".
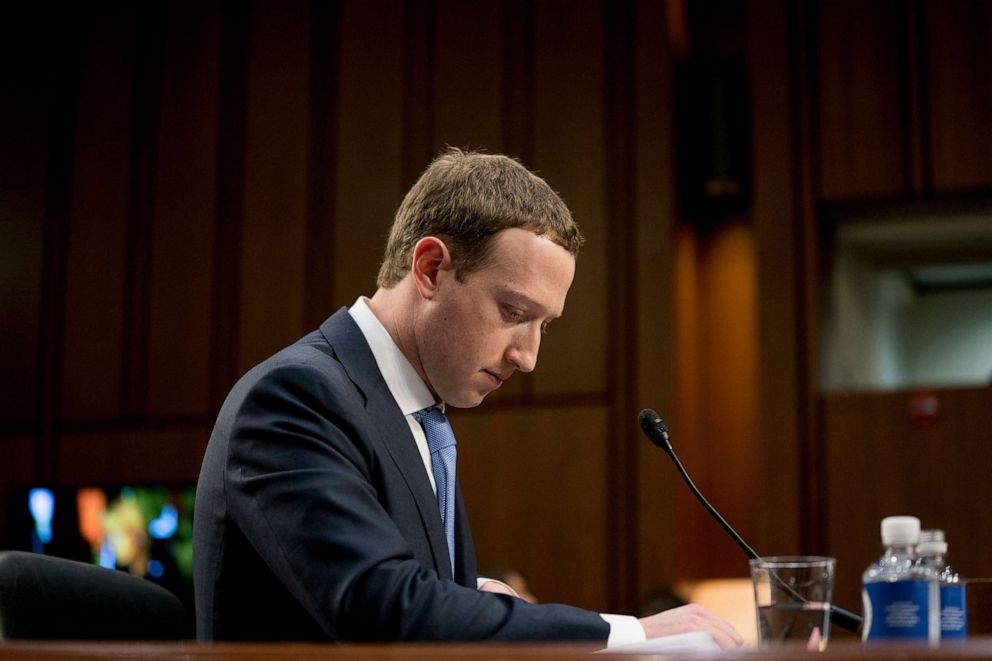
{"x": 43, "y": 597}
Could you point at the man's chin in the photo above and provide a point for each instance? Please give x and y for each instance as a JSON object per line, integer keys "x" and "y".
{"x": 467, "y": 400}
{"x": 466, "y": 404}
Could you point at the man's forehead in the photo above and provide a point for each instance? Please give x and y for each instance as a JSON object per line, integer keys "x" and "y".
{"x": 532, "y": 268}
{"x": 514, "y": 248}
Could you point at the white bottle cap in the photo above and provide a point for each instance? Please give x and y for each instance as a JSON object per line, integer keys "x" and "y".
{"x": 931, "y": 548}
{"x": 931, "y": 543}
{"x": 900, "y": 530}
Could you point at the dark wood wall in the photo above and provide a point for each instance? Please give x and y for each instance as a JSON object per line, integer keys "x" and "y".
{"x": 853, "y": 105}
{"x": 884, "y": 459}
{"x": 195, "y": 185}
{"x": 903, "y": 92}
{"x": 894, "y": 100}
{"x": 188, "y": 187}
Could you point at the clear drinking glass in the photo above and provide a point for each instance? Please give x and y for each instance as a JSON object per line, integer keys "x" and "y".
{"x": 792, "y": 599}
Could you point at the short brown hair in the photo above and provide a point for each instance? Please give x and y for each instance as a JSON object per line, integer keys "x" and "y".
{"x": 465, "y": 199}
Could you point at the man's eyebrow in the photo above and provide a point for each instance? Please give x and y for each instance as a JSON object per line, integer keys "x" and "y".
{"x": 529, "y": 302}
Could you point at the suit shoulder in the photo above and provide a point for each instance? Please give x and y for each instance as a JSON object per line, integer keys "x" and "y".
{"x": 308, "y": 370}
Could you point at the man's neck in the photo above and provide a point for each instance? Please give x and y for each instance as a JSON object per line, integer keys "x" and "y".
{"x": 394, "y": 311}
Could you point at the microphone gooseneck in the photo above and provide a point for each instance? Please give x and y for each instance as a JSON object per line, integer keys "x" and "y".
{"x": 657, "y": 432}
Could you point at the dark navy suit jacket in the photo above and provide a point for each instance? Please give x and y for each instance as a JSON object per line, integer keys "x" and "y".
{"x": 315, "y": 518}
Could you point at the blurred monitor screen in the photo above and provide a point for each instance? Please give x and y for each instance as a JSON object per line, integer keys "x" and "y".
{"x": 144, "y": 530}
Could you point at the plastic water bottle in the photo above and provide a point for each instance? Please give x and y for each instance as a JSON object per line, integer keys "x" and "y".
{"x": 930, "y": 553}
{"x": 901, "y": 599}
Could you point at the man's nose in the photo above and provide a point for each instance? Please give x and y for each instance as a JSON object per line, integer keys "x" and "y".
{"x": 523, "y": 351}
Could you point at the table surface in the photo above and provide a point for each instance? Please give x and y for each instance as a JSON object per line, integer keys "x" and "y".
{"x": 980, "y": 648}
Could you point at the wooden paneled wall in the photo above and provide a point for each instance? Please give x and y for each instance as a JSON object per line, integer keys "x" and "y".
{"x": 194, "y": 185}
{"x": 901, "y": 97}
{"x": 888, "y": 97}
{"x": 189, "y": 186}
{"x": 884, "y": 460}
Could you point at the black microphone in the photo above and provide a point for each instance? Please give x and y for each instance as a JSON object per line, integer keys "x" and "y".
{"x": 657, "y": 432}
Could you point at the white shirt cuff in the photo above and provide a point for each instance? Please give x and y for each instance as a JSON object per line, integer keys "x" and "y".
{"x": 624, "y": 629}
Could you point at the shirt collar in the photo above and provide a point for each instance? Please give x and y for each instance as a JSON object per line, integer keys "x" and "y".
{"x": 405, "y": 385}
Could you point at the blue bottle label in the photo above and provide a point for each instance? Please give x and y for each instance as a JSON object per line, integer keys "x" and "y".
{"x": 953, "y": 612}
{"x": 897, "y": 611}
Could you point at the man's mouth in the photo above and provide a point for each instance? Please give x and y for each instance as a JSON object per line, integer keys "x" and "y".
{"x": 496, "y": 379}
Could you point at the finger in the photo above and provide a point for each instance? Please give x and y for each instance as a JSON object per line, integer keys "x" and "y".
{"x": 731, "y": 632}
{"x": 718, "y": 623}
{"x": 725, "y": 640}
{"x": 724, "y": 628}
{"x": 726, "y": 636}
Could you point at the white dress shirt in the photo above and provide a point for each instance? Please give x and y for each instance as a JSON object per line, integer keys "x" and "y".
{"x": 412, "y": 395}
{"x": 405, "y": 385}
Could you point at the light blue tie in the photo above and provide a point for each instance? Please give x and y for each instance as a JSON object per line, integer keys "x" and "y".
{"x": 441, "y": 443}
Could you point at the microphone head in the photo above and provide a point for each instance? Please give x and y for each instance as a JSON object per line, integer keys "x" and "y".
{"x": 655, "y": 429}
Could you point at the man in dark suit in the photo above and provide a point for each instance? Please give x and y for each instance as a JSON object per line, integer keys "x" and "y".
{"x": 327, "y": 506}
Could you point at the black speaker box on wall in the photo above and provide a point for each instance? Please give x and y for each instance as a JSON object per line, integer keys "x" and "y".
{"x": 713, "y": 129}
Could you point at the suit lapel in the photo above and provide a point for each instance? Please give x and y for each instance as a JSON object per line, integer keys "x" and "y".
{"x": 389, "y": 427}
{"x": 465, "y": 568}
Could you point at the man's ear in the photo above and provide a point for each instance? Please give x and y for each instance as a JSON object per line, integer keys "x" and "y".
{"x": 430, "y": 257}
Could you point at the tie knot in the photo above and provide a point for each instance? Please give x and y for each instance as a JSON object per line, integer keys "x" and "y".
{"x": 436, "y": 428}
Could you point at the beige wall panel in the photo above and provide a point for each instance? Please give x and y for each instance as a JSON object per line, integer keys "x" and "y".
{"x": 686, "y": 423}
{"x": 139, "y": 456}
{"x": 182, "y": 249}
{"x": 717, "y": 436}
{"x": 534, "y": 485}
{"x": 95, "y": 271}
{"x": 731, "y": 438}
{"x": 273, "y": 258}
{"x": 370, "y": 143}
{"x": 568, "y": 152}
{"x": 859, "y": 100}
{"x": 467, "y": 75}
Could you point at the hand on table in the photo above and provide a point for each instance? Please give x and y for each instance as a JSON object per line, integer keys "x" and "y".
{"x": 691, "y": 618}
